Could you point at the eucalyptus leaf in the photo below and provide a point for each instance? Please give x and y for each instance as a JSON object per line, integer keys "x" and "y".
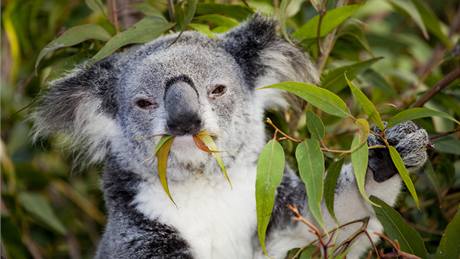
{"x": 366, "y": 105}
{"x": 330, "y": 21}
{"x": 397, "y": 229}
{"x": 74, "y": 36}
{"x": 40, "y": 208}
{"x": 333, "y": 173}
{"x": 188, "y": 13}
{"x": 310, "y": 161}
{"x": 449, "y": 247}
{"x": 403, "y": 172}
{"x": 408, "y": 8}
{"x": 218, "y": 20}
{"x": 432, "y": 22}
{"x": 360, "y": 157}
{"x": 209, "y": 142}
{"x": 315, "y": 125}
{"x": 143, "y": 31}
{"x": 238, "y": 12}
{"x": 96, "y": 6}
{"x": 162, "y": 153}
{"x": 270, "y": 168}
{"x": 334, "y": 79}
{"x": 319, "y": 97}
{"x": 417, "y": 113}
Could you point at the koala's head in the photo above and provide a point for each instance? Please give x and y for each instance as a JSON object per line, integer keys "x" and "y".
{"x": 177, "y": 86}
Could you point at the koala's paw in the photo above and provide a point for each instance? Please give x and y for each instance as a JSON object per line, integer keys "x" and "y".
{"x": 408, "y": 139}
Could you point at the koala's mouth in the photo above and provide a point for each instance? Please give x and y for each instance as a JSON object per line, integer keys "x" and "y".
{"x": 203, "y": 141}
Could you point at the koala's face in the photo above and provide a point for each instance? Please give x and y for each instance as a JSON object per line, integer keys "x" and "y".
{"x": 181, "y": 90}
{"x": 118, "y": 108}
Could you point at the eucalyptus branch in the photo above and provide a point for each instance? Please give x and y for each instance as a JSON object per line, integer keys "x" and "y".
{"x": 328, "y": 43}
{"x": 316, "y": 231}
{"x": 444, "y": 134}
{"x": 277, "y": 130}
{"x": 439, "y": 86}
{"x": 322, "y": 12}
{"x": 345, "y": 244}
{"x": 172, "y": 16}
{"x": 113, "y": 14}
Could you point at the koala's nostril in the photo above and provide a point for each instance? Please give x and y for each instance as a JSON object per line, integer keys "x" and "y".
{"x": 184, "y": 125}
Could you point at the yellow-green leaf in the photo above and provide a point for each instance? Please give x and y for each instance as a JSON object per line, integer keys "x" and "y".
{"x": 162, "y": 153}
{"x": 270, "y": 168}
{"x": 366, "y": 105}
{"x": 330, "y": 21}
{"x": 319, "y": 97}
{"x": 209, "y": 142}
{"x": 310, "y": 161}
{"x": 399, "y": 163}
{"x": 417, "y": 113}
{"x": 360, "y": 157}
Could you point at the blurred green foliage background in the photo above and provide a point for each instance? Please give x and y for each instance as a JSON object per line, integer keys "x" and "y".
{"x": 52, "y": 209}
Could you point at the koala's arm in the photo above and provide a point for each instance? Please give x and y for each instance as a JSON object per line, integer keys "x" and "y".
{"x": 382, "y": 181}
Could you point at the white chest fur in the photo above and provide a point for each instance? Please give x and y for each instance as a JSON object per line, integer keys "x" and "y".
{"x": 216, "y": 220}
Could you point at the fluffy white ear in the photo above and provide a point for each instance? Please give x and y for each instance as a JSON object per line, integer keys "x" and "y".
{"x": 267, "y": 59}
{"x": 82, "y": 106}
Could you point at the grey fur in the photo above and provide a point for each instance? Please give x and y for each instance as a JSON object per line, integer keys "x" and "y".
{"x": 96, "y": 105}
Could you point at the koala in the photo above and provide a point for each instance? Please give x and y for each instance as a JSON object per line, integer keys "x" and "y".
{"x": 115, "y": 109}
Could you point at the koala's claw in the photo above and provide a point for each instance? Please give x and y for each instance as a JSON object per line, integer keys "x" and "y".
{"x": 408, "y": 139}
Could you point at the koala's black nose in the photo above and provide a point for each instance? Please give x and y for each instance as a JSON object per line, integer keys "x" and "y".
{"x": 184, "y": 125}
{"x": 182, "y": 107}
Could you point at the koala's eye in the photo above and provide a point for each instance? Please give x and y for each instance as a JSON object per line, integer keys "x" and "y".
{"x": 145, "y": 104}
{"x": 217, "y": 90}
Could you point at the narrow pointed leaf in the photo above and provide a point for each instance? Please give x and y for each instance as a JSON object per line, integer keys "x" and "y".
{"x": 39, "y": 208}
{"x": 417, "y": 113}
{"x": 331, "y": 20}
{"x": 330, "y": 183}
{"x": 96, "y": 6}
{"x": 315, "y": 125}
{"x": 366, "y": 105}
{"x": 408, "y": 8}
{"x": 200, "y": 144}
{"x": 162, "y": 141}
{"x": 270, "y": 168}
{"x": 360, "y": 157}
{"x": 397, "y": 229}
{"x": 211, "y": 145}
{"x": 432, "y": 22}
{"x": 189, "y": 12}
{"x": 399, "y": 163}
{"x": 239, "y": 12}
{"x": 334, "y": 80}
{"x": 74, "y": 36}
{"x": 319, "y": 97}
{"x": 449, "y": 247}
{"x": 310, "y": 161}
{"x": 143, "y": 31}
{"x": 162, "y": 154}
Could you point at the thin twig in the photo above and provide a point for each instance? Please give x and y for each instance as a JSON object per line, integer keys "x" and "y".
{"x": 444, "y": 134}
{"x": 322, "y": 12}
{"x": 172, "y": 16}
{"x": 439, "y": 86}
{"x": 113, "y": 14}
{"x": 270, "y": 122}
